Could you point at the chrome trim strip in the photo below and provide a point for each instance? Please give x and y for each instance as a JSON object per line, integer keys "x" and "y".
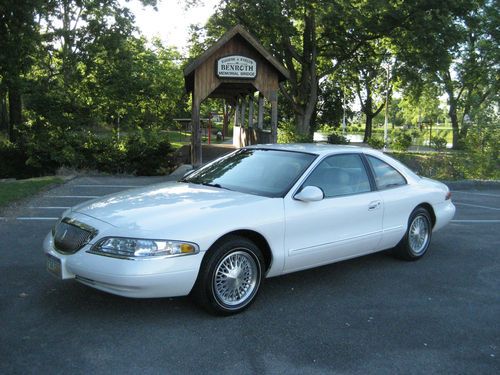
{"x": 292, "y": 252}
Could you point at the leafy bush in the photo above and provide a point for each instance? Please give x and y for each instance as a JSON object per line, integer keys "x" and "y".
{"x": 42, "y": 149}
{"x": 438, "y": 143}
{"x": 337, "y": 139}
{"x": 376, "y": 142}
{"x": 401, "y": 141}
{"x": 288, "y": 134}
{"x": 12, "y": 161}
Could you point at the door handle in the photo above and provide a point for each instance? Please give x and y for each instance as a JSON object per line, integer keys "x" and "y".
{"x": 374, "y": 205}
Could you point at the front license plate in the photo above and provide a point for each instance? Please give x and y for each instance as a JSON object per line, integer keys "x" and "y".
{"x": 54, "y": 266}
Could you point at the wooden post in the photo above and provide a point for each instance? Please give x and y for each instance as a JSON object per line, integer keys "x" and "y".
{"x": 243, "y": 111}
{"x": 236, "y": 130}
{"x": 196, "y": 159}
{"x": 274, "y": 117}
{"x": 250, "y": 111}
{"x": 260, "y": 118}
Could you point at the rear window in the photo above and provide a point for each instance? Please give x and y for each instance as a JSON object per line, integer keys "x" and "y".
{"x": 386, "y": 177}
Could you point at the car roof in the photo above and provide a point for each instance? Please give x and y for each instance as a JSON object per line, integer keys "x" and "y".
{"x": 312, "y": 148}
{"x": 322, "y": 149}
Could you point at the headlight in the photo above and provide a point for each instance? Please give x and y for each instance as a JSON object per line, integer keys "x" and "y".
{"x": 137, "y": 248}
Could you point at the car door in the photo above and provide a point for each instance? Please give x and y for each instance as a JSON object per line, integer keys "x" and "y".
{"x": 346, "y": 223}
{"x": 397, "y": 200}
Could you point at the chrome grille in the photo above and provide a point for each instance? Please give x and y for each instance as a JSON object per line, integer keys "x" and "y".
{"x": 71, "y": 235}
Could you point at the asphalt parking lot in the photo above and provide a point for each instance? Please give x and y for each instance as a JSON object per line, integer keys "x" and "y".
{"x": 374, "y": 314}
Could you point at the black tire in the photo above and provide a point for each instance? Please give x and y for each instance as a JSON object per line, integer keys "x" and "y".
{"x": 415, "y": 243}
{"x": 220, "y": 293}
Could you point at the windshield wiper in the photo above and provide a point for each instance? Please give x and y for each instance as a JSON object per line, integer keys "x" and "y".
{"x": 219, "y": 186}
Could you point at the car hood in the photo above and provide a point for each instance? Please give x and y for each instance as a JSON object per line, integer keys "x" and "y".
{"x": 157, "y": 205}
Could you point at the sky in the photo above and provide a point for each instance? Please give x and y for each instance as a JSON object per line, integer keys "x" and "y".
{"x": 171, "y": 22}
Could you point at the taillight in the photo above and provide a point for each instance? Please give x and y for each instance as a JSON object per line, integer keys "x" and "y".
{"x": 448, "y": 195}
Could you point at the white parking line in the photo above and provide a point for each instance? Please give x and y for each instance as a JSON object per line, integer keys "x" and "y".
{"x": 48, "y": 208}
{"x": 74, "y": 196}
{"x": 30, "y": 218}
{"x": 109, "y": 186}
{"x": 475, "y": 221}
{"x": 483, "y": 194}
{"x": 478, "y": 206}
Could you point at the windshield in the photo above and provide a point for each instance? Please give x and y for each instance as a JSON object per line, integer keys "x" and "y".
{"x": 269, "y": 173}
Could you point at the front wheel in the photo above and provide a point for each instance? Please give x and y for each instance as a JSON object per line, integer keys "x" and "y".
{"x": 416, "y": 241}
{"x": 230, "y": 276}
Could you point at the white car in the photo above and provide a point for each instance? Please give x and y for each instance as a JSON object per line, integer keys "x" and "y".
{"x": 261, "y": 211}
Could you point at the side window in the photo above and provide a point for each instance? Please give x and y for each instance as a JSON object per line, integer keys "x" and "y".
{"x": 385, "y": 176}
{"x": 340, "y": 175}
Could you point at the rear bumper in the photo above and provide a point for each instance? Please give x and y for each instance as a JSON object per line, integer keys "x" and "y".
{"x": 444, "y": 213}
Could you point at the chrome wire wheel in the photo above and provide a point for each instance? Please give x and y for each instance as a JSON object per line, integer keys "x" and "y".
{"x": 236, "y": 278}
{"x": 419, "y": 234}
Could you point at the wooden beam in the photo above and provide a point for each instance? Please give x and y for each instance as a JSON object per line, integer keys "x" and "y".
{"x": 260, "y": 118}
{"x": 274, "y": 117}
{"x": 250, "y": 111}
{"x": 196, "y": 157}
{"x": 243, "y": 111}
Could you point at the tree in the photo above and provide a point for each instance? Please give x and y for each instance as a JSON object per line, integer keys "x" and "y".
{"x": 371, "y": 70}
{"x": 473, "y": 73}
{"x": 313, "y": 39}
{"x": 423, "y": 106}
{"x": 459, "y": 51}
{"x": 18, "y": 40}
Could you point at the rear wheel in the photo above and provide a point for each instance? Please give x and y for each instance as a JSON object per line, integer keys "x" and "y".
{"x": 416, "y": 241}
{"x": 230, "y": 276}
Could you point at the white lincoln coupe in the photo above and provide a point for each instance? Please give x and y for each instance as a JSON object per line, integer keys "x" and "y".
{"x": 259, "y": 212}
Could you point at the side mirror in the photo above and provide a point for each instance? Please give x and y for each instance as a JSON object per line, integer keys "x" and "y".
{"x": 310, "y": 194}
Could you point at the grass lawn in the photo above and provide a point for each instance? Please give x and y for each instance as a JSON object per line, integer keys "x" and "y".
{"x": 11, "y": 191}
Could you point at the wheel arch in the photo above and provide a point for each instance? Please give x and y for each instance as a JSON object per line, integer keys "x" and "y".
{"x": 256, "y": 238}
{"x": 430, "y": 210}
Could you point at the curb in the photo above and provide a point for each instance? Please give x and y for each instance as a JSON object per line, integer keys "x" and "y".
{"x": 476, "y": 184}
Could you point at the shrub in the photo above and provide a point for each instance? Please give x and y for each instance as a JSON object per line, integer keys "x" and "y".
{"x": 337, "y": 139}
{"x": 401, "y": 142}
{"x": 42, "y": 149}
{"x": 438, "y": 143}
{"x": 12, "y": 161}
{"x": 376, "y": 142}
{"x": 288, "y": 134}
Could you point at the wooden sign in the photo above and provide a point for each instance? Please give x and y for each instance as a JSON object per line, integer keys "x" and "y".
{"x": 236, "y": 67}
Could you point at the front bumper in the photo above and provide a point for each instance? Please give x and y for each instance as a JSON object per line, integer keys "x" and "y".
{"x": 143, "y": 278}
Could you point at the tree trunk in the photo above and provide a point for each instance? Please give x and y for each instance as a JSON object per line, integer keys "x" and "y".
{"x": 452, "y": 112}
{"x": 4, "y": 118}
{"x": 303, "y": 120}
{"x": 367, "y": 110}
{"x": 15, "y": 111}
{"x": 304, "y": 82}
{"x": 368, "y": 127}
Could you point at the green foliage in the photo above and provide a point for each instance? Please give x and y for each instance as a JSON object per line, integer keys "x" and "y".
{"x": 439, "y": 143}
{"x": 288, "y": 134}
{"x": 44, "y": 148}
{"x": 420, "y": 104}
{"x": 480, "y": 157}
{"x": 11, "y": 191}
{"x": 337, "y": 139}
{"x": 355, "y": 128}
{"x": 376, "y": 143}
{"x": 401, "y": 141}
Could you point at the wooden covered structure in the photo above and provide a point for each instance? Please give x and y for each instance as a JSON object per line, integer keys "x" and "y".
{"x": 235, "y": 68}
